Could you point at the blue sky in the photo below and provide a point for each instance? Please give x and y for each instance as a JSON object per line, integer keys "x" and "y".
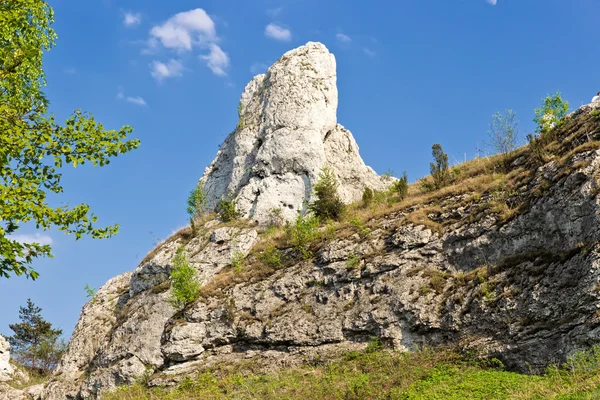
{"x": 410, "y": 73}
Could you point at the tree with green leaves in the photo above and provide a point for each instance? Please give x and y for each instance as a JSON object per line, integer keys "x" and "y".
{"x": 34, "y": 147}
{"x": 185, "y": 286}
{"x": 35, "y": 343}
{"x": 400, "y": 187}
{"x": 196, "y": 204}
{"x": 328, "y": 204}
{"x": 552, "y": 111}
{"x": 439, "y": 168}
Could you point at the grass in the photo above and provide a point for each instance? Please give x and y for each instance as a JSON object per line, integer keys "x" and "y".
{"x": 380, "y": 374}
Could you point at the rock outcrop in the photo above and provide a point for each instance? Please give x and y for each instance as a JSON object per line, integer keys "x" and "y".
{"x": 504, "y": 263}
{"x": 6, "y": 369}
{"x": 287, "y": 132}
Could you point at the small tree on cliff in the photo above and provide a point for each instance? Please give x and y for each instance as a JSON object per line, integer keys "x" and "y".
{"x": 328, "y": 204}
{"x": 35, "y": 343}
{"x": 439, "y": 168}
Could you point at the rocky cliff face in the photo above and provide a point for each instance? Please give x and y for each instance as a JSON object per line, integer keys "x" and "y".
{"x": 286, "y": 133}
{"x": 506, "y": 262}
{"x": 5, "y": 367}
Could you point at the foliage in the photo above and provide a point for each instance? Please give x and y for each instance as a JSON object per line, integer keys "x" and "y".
{"x": 196, "y": 202}
{"x": 328, "y": 204}
{"x": 400, "y": 187}
{"x": 387, "y": 175}
{"x": 378, "y": 374}
{"x": 552, "y": 111}
{"x": 363, "y": 231}
{"x": 33, "y": 147}
{"x": 90, "y": 292}
{"x": 353, "y": 261}
{"x": 227, "y": 209}
{"x": 271, "y": 257}
{"x": 374, "y": 345}
{"x": 367, "y": 197}
{"x": 302, "y": 234}
{"x": 503, "y": 132}
{"x": 185, "y": 286}
{"x": 439, "y": 168}
{"x": 35, "y": 343}
{"x": 237, "y": 260}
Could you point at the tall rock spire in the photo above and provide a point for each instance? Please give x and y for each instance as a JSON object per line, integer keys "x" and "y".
{"x": 287, "y": 132}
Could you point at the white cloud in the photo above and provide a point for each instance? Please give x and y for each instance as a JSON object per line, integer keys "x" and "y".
{"x": 32, "y": 238}
{"x": 161, "y": 70}
{"x": 274, "y": 12}
{"x": 137, "y": 100}
{"x": 132, "y": 19}
{"x": 276, "y": 32}
{"x": 217, "y": 60}
{"x": 343, "y": 38}
{"x": 184, "y": 30}
{"x": 134, "y": 100}
{"x": 492, "y": 2}
{"x": 70, "y": 70}
{"x": 368, "y": 52}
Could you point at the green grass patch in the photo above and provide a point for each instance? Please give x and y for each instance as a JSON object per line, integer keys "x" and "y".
{"x": 379, "y": 374}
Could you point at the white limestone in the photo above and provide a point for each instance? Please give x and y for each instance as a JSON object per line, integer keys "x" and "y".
{"x": 286, "y": 134}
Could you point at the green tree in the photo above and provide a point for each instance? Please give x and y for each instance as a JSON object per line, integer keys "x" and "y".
{"x": 33, "y": 147}
{"x": 503, "y": 132}
{"x": 552, "y": 111}
{"x": 328, "y": 204}
{"x": 439, "y": 168}
{"x": 90, "y": 292}
{"x": 400, "y": 186}
{"x": 227, "y": 209}
{"x": 35, "y": 343}
{"x": 197, "y": 203}
{"x": 367, "y": 197}
{"x": 185, "y": 286}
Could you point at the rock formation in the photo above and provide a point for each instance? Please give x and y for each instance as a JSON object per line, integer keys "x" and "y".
{"x": 287, "y": 131}
{"x": 5, "y": 367}
{"x": 508, "y": 264}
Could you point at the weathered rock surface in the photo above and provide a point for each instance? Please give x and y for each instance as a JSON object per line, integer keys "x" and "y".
{"x": 521, "y": 286}
{"x": 286, "y": 133}
{"x": 5, "y": 367}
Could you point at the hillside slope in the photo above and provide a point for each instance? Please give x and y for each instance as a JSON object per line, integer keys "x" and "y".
{"x": 505, "y": 261}
{"x": 506, "y": 264}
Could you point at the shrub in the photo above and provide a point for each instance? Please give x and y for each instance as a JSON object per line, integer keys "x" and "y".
{"x": 227, "y": 209}
{"x": 185, "y": 287}
{"x": 236, "y": 261}
{"x": 550, "y": 114}
{"x": 90, "y": 292}
{"x": 197, "y": 201}
{"x": 302, "y": 233}
{"x": 400, "y": 187}
{"x": 271, "y": 257}
{"x": 367, "y": 197}
{"x": 503, "y": 133}
{"x": 426, "y": 185}
{"x": 439, "y": 168}
{"x": 360, "y": 227}
{"x": 353, "y": 261}
{"x": 374, "y": 345}
{"x": 196, "y": 205}
{"x": 328, "y": 204}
